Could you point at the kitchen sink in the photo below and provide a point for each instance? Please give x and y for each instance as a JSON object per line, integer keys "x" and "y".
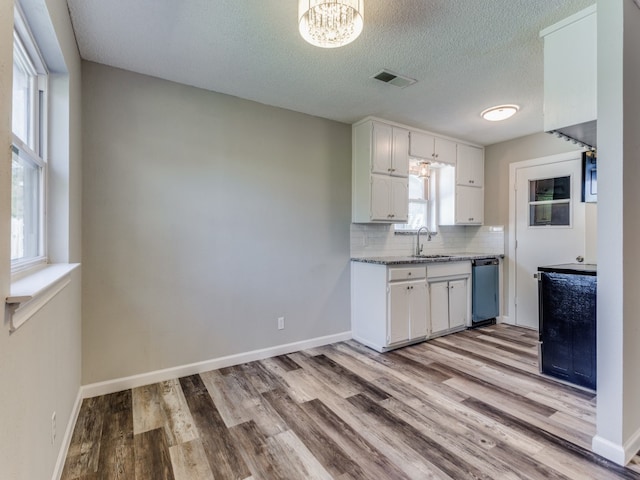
{"x": 433, "y": 256}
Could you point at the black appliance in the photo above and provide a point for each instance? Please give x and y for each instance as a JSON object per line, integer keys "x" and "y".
{"x": 567, "y": 316}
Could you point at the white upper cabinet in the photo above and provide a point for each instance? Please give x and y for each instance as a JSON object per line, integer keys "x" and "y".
{"x": 469, "y": 206}
{"x": 431, "y": 148}
{"x": 380, "y": 173}
{"x": 570, "y": 80}
{"x": 390, "y": 150}
{"x": 389, "y": 199}
{"x": 458, "y": 204}
{"x": 470, "y": 166}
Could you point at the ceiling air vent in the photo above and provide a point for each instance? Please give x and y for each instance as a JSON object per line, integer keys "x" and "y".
{"x": 391, "y": 78}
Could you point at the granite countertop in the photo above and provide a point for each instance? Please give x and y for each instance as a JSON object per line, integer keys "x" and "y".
{"x": 571, "y": 268}
{"x": 450, "y": 257}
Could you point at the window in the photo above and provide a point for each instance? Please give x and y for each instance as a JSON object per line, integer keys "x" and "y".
{"x": 28, "y": 166}
{"x": 421, "y": 202}
{"x": 550, "y": 202}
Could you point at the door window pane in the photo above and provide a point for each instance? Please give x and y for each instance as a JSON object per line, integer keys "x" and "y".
{"x": 550, "y": 202}
{"x": 549, "y": 214}
{"x": 550, "y": 189}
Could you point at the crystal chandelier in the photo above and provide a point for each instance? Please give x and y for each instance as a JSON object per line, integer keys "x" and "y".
{"x": 330, "y": 23}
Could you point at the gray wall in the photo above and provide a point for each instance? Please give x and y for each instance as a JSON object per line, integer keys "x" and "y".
{"x": 206, "y": 217}
{"x": 498, "y": 157}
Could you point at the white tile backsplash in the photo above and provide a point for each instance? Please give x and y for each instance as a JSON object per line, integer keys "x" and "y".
{"x": 371, "y": 240}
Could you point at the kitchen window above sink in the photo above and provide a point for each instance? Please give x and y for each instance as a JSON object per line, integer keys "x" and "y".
{"x": 422, "y": 203}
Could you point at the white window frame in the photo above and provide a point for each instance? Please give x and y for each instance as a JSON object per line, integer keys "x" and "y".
{"x": 430, "y": 204}
{"x": 565, "y": 201}
{"x": 34, "y": 148}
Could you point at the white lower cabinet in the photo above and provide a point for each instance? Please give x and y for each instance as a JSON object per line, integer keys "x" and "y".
{"x": 389, "y": 305}
{"x": 449, "y": 296}
{"x": 407, "y": 319}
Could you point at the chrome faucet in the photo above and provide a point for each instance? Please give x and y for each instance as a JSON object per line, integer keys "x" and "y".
{"x": 418, "y": 246}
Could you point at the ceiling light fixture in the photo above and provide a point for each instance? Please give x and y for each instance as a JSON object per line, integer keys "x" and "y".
{"x": 423, "y": 171}
{"x": 500, "y": 112}
{"x": 330, "y": 23}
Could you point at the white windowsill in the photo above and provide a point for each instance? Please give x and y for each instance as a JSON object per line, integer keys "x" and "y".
{"x": 33, "y": 291}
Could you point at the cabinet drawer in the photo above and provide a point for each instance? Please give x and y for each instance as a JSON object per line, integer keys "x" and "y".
{"x": 449, "y": 269}
{"x": 406, "y": 273}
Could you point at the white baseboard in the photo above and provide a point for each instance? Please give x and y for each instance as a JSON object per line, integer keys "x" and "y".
{"x": 620, "y": 454}
{"x": 119, "y": 384}
{"x": 66, "y": 440}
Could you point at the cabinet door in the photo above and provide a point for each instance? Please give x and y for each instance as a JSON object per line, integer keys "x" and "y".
{"x": 439, "y": 299}
{"x": 399, "y": 200}
{"x": 470, "y": 166}
{"x": 457, "y": 303}
{"x": 400, "y": 153}
{"x": 399, "y": 315}
{"x": 380, "y": 198}
{"x": 570, "y": 95}
{"x": 419, "y": 309}
{"x": 469, "y": 205}
{"x": 381, "y": 144}
{"x": 421, "y": 146}
{"x": 445, "y": 151}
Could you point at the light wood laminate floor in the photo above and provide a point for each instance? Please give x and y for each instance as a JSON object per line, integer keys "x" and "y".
{"x": 466, "y": 406}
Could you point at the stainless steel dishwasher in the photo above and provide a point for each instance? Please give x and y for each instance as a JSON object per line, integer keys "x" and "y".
{"x": 485, "y": 296}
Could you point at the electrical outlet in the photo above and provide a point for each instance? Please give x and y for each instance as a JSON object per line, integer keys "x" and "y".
{"x": 53, "y": 428}
{"x": 280, "y": 323}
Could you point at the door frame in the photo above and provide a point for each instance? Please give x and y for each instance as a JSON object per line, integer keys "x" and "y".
{"x": 511, "y": 264}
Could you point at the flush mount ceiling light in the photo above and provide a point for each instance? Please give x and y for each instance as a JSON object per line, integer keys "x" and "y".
{"x": 330, "y": 23}
{"x": 500, "y": 112}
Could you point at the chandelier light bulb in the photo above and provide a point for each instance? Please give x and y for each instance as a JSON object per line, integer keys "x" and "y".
{"x": 330, "y": 23}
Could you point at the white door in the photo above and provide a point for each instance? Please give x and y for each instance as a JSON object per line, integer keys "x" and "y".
{"x": 399, "y": 312}
{"x": 381, "y": 197}
{"x": 469, "y": 205}
{"x": 439, "y": 298}
{"x": 381, "y": 154}
{"x": 549, "y": 228}
{"x": 419, "y": 309}
{"x": 400, "y": 153}
{"x": 399, "y": 199}
{"x": 457, "y": 303}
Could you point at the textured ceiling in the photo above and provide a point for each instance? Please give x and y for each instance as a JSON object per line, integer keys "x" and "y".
{"x": 467, "y": 55}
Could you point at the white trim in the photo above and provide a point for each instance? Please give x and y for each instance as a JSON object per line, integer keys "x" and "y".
{"x": 119, "y": 384}
{"x": 576, "y": 17}
{"x": 32, "y": 292}
{"x": 414, "y": 129}
{"x": 66, "y": 440}
{"x": 620, "y": 454}
{"x": 510, "y": 258}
